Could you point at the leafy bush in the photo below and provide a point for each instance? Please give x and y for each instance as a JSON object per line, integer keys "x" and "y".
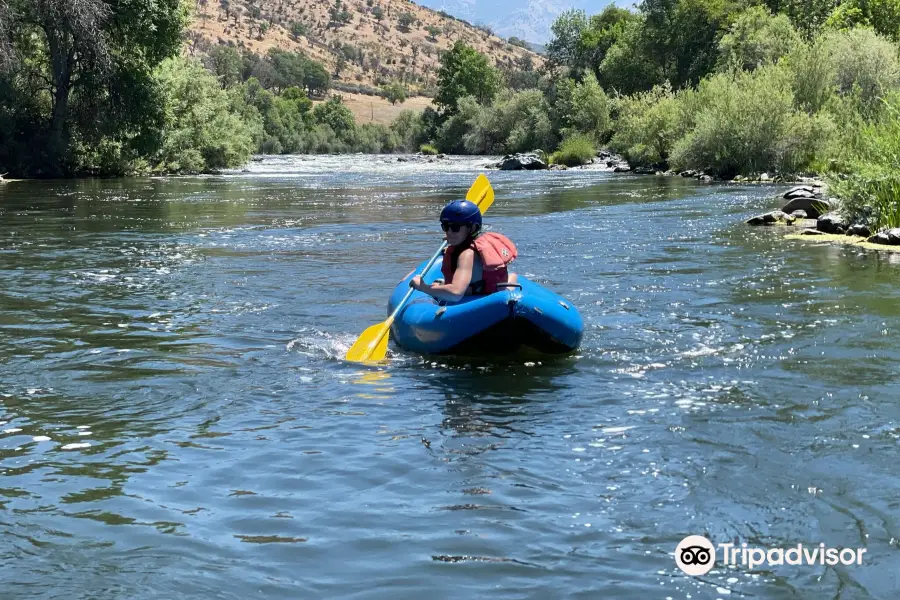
{"x": 576, "y": 150}
{"x": 873, "y": 189}
{"x": 523, "y": 122}
{"x": 409, "y": 130}
{"x": 428, "y": 149}
{"x": 650, "y": 123}
{"x": 756, "y": 38}
{"x": 583, "y": 108}
{"x": 201, "y": 131}
{"x": 856, "y": 63}
{"x": 748, "y": 123}
{"x": 337, "y": 116}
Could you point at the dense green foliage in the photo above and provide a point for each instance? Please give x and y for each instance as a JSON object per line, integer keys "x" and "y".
{"x": 464, "y": 72}
{"x": 78, "y": 82}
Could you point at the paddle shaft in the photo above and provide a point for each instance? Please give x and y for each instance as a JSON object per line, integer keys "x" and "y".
{"x": 409, "y": 294}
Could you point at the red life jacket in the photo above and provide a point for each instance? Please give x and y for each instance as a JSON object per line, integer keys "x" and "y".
{"x": 496, "y": 251}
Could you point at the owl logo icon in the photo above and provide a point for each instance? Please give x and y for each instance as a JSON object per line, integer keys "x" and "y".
{"x": 695, "y": 555}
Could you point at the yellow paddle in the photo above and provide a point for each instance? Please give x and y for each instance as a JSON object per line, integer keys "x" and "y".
{"x": 371, "y": 346}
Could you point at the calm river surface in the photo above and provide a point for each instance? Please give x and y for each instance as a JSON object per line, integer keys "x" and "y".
{"x": 176, "y": 419}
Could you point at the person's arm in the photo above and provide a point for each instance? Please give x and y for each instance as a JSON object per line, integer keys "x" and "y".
{"x": 454, "y": 291}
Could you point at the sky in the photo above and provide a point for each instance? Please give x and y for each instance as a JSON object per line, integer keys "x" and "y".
{"x": 526, "y": 19}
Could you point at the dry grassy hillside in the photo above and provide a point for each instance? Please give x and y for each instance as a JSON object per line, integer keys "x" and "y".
{"x": 364, "y": 43}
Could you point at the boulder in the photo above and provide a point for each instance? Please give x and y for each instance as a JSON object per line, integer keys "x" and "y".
{"x": 517, "y": 162}
{"x": 889, "y": 237}
{"x": 800, "y": 191}
{"x": 644, "y": 170}
{"x": 776, "y": 216}
{"x": 814, "y": 207}
{"x": 688, "y": 173}
{"x": 860, "y": 230}
{"x": 810, "y": 231}
{"x": 706, "y": 178}
{"x": 833, "y": 222}
{"x": 622, "y": 169}
{"x": 800, "y": 214}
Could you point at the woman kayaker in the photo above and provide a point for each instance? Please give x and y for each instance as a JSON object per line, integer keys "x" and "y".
{"x": 474, "y": 261}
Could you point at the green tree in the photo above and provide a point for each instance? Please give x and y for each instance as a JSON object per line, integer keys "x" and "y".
{"x": 628, "y": 67}
{"x": 807, "y": 16}
{"x": 584, "y": 108}
{"x": 394, "y": 92}
{"x": 378, "y": 13}
{"x": 405, "y": 20}
{"x": 337, "y": 116}
{"x": 564, "y": 48}
{"x": 881, "y": 15}
{"x": 433, "y": 31}
{"x": 756, "y": 38}
{"x": 464, "y": 72}
{"x": 227, "y": 64}
{"x": 602, "y": 32}
{"x": 89, "y": 56}
{"x": 201, "y": 130}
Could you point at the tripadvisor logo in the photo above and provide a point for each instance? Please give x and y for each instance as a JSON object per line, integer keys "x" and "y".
{"x": 696, "y": 555}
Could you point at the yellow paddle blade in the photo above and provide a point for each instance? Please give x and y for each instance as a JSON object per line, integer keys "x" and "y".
{"x": 481, "y": 193}
{"x": 371, "y": 345}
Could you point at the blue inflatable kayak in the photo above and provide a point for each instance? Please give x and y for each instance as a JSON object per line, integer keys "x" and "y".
{"x": 526, "y": 314}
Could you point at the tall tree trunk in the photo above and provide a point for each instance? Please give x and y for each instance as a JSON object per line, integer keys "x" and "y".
{"x": 61, "y": 56}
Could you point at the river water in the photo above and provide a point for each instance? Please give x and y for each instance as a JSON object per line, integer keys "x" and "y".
{"x": 176, "y": 420}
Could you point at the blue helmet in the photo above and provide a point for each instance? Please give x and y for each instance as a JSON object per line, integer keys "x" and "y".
{"x": 462, "y": 211}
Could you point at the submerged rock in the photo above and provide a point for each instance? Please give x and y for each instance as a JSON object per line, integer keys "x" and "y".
{"x": 888, "y": 237}
{"x": 833, "y": 222}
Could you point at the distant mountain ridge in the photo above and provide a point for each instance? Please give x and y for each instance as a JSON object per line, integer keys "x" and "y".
{"x": 363, "y": 43}
{"x": 529, "y": 20}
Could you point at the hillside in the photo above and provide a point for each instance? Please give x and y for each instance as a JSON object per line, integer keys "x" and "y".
{"x": 363, "y": 43}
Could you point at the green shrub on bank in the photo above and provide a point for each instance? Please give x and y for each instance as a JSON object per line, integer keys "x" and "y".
{"x": 409, "y": 129}
{"x": 428, "y": 149}
{"x": 583, "y": 107}
{"x": 648, "y": 126}
{"x": 576, "y": 150}
{"x": 748, "y": 124}
{"x": 855, "y": 63}
{"x": 201, "y": 132}
{"x": 872, "y": 190}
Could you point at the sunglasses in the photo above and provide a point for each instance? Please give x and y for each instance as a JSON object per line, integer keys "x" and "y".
{"x": 454, "y": 227}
